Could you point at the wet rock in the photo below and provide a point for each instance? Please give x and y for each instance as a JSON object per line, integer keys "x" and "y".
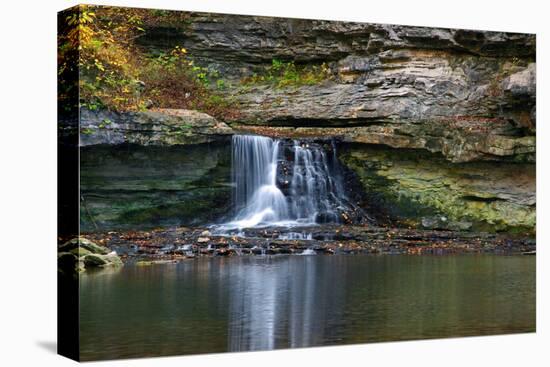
{"x": 160, "y": 262}
{"x": 325, "y": 250}
{"x": 207, "y": 250}
{"x": 101, "y": 261}
{"x": 167, "y": 249}
{"x": 257, "y": 251}
{"x": 93, "y": 260}
{"x": 360, "y": 240}
{"x": 272, "y": 251}
{"x": 185, "y": 249}
{"x": 80, "y": 254}
{"x": 443, "y": 223}
{"x": 84, "y": 245}
{"x": 223, "y": 252}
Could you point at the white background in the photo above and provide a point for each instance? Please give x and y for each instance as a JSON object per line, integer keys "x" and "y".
{"x": 28, "y": 182}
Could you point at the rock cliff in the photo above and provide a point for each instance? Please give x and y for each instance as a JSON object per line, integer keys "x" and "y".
{"x": 435, "y": 122}
{"x": 467, "y": 94}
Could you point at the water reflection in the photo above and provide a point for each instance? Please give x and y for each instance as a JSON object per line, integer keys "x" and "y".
{"x": 259, "y": 303}
{"x": 279, "y": 302}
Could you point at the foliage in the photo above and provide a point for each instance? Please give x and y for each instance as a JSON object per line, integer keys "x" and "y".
{"x": 286, "y": 74}
{"x": 117, "y": 74}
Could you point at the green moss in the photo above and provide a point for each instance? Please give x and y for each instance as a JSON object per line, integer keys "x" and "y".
{"x": 80, "y": 252}
{"x": 282, "y": 74}
{"x": 146, "y": 187}
{"x": 201, "y": 208}
{"x": 410, "y": 185}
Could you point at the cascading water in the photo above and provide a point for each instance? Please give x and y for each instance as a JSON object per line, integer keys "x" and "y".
{"x": 293, "y": 185}
{"x": 315, "y": 196}
{"x": 257, "y": 198}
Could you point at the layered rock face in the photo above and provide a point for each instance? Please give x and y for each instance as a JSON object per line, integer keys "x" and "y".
{"x": 150, "y": 128}
{"x": 437, "y": 124}
{"x": 467, "y": 94}
{"x": 152, "y": 168}
{"x": 421, "y": 190}
{"x": 130, "y": 187}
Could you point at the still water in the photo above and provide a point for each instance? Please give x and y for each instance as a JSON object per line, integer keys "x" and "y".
{"x": 269, "y": 302}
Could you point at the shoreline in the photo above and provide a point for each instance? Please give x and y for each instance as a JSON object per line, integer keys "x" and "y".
{"x": 176, "y": 244}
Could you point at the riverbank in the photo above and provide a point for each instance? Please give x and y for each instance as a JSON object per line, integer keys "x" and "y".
{"x": 182, "y": 243}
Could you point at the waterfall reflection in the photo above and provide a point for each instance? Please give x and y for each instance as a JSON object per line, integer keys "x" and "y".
{"x": 214, "y": 305}
{"x": 278, "y": 302}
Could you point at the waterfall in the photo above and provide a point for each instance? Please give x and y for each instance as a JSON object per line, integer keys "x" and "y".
{"x": 315, "y": 194}
{"x": 293, "y": 185}
{"x": 256, "y": 198}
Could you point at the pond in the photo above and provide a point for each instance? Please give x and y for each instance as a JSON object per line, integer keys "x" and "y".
{"x": 217, "y": 304}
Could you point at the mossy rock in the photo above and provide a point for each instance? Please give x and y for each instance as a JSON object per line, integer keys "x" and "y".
{"x": 144, "y": 263}
{"x": 93, "y": 261}
{"x": 113, "y": 260}
{"x": 76, "y": 244}
{"x": 408, "y": 185}
{"x": 149, "y": 187}
{"x": 80, "y": 251}
{"x": 92, "y": 247}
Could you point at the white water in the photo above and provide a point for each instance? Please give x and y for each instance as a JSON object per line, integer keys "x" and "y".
{"x": 257, "y": 198}
{"x": 296, "y": 236}
{"x": 313, "y": 194}
{"x": 308, "y": 252}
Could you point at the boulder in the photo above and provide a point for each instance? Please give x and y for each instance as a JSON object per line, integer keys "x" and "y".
{"x": 78, "y": 254}
{"x": 83, "y": 245}
{"x": 93, "y": 260}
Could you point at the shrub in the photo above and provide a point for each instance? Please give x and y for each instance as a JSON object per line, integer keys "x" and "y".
{"x": 116, "y": 74}
{"x": 283, "y": 74}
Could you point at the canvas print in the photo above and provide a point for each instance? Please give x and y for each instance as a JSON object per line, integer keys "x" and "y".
{"x": 238, "y": 183}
